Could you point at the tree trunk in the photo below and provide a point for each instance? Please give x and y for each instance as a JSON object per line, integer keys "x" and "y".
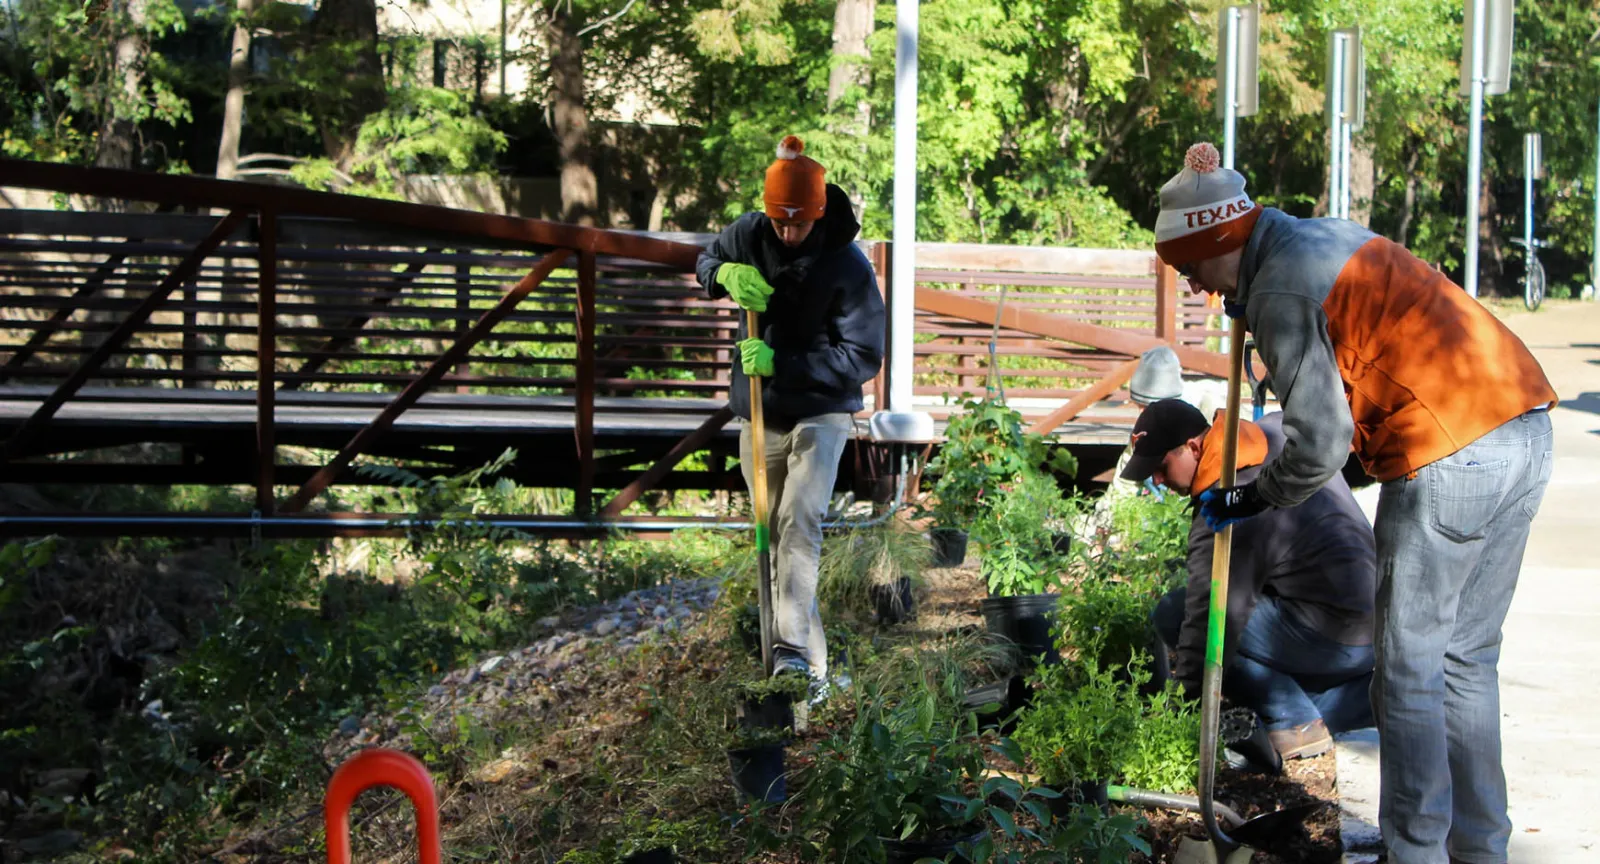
{"x": 579, "y": 190}
{"x": 1363, "y": 180}
{"x": 1491, "y": 258}
{"x": 233, "y": 104}
{"x": 349, "y": 23}
{"x": 1408, "y": 208}
{"x": 114, "y": 148}
{"x": 852, "y": 24}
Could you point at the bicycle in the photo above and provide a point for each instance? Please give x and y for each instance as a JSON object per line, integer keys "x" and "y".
{"x": 1533, "y": 281}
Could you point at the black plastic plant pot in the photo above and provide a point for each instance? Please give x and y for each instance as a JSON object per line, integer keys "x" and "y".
{"x": 1083, "y": 793}
{"x": 949, "y": 546}
{"x": 1010, "y": 697}
{"x": 912, "y": 851}
{"x": 659, "y": 855}
{"x": 768, "y": 712}
{"x": 892, "y": 602}
{"x": 1061, "y": 542}
{"x": 1025, "y": 621}
{"x": 758, "y": 773}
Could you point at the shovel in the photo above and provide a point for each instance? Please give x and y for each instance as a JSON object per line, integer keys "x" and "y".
{"x": 1260, "y": 832}
{"x": 1225, "y": 845}
{"x": 758, "y": 500}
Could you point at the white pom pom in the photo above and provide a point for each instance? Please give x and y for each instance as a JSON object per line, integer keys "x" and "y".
{"x": 790, "y": 147}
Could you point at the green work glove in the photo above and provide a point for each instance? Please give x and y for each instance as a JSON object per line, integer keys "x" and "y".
{"x": 745, "y": 285}
{"x": 757, "y": 357}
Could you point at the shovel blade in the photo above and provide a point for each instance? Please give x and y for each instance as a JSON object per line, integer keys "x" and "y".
{"x": 1193, "y": 850}
{"x": 1268, "y": 828}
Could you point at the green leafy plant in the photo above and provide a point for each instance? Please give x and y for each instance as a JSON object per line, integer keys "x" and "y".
{"x": 1104, "y": 621}
{"x": 985, "y": 448}
{"x": 904, "y": 771}
{"x": 1166, "y": 755}
{"x": 1017, "y": 539}
{"x": 1095, "y": 726}
{"x": 790, "y": 686}
{"x": 1083, "y": 733}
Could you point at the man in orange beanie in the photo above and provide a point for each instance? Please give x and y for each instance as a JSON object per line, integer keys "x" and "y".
{"x": 820, "y": 338}
{"x": 1445, "y": 406}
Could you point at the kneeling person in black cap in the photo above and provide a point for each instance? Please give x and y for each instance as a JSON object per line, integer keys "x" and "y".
{"x": 1302, "y": 583}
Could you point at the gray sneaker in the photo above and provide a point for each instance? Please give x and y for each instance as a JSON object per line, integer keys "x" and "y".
{"x": 785, "y": 662}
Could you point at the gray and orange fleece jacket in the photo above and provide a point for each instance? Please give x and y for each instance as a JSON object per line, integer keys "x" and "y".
{"x": 1369, "y": 346}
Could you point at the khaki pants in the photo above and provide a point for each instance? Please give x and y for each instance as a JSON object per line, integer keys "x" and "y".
{"x": 802, "y": 465}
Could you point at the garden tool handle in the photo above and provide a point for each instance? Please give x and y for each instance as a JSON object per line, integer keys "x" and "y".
{"x": 380, "y": 766}
{"x": 758, "y": 499}
{"x": 1258, "y": 394}
{"x": 1217, "y": 620}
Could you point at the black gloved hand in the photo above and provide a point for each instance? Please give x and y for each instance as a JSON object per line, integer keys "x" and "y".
{"x": 1223, "y": 507}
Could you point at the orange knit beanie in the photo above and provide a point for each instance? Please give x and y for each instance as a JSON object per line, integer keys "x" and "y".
{"x": 794, "y": 189}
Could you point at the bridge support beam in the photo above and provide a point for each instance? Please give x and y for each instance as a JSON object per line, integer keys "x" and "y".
{"x": 436, "y": 371}
{"x": 663, "y": 466}
{"x": 115, "y": 339}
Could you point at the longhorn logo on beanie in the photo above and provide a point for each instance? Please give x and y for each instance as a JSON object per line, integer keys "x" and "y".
{"x": 1204, "y": 210}
{"x": 795, "y": 190}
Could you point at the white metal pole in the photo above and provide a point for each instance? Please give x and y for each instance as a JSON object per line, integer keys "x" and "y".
{"x": 1480, "y": 14}
{"x": 1344, "y": 169}
{"x": 903, "y": 283}
{"x": 1527, "y": 194}
{"x": 1336, "y": 123}
{"x": 899, "y": 421}
{"x": 1594, "y": 261}
{"x": 1230, "y": 95}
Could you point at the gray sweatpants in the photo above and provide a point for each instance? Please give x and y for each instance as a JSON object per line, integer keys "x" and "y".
{"x": 1450, "y": 546}
{"x": 802, "y": 465}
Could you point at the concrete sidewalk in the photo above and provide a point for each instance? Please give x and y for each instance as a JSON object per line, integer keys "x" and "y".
{"x": 1549, "y": 686}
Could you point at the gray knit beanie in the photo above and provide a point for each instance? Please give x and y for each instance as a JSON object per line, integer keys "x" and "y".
{"x": 1159, "y": 376}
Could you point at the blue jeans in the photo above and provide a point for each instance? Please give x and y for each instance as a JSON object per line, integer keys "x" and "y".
{"x": 1450, "y": 543}
{"x": 1285, "y": 671}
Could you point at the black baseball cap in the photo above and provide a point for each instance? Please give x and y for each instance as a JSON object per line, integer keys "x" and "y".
{"x": 1162, "y": 428}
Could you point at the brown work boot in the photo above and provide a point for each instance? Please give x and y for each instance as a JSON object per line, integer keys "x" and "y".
{"x": 1303, "y": 741}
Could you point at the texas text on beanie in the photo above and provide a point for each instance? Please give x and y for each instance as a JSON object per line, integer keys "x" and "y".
{"x": 795, "y": 189}
{"x": 1204, "y": 210}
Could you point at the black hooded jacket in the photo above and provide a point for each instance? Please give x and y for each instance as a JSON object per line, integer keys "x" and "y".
{"x": 824, "y": 320}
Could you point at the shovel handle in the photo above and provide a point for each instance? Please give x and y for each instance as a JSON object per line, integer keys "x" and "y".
{"x": 758, "y": 500}
{"x": 1217, "y": 620}
{"x": 380, "y": 766}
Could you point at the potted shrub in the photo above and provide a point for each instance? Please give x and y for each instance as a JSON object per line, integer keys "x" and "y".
{"x": 768, "y": 703}
{"x": 984, "y": 447}
{"x": 871, "y": 573}
{"x": 1020, "y": 566}
{"x": 906, "y": 784}
{"x": 1079, "y": 738}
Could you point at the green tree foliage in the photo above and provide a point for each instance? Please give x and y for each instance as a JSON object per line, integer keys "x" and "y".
{"x": 62, "y": 84}
{"x": 1040, "y": 122}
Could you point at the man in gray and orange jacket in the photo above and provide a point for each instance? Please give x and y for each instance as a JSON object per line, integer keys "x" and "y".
{"x": 1370, "y": 348}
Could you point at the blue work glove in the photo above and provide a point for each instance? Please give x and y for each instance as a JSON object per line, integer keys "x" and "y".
{"x": 745, "y": 285}
{"x": 757, "y": 358}
{"x": 1223, "y": 507}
